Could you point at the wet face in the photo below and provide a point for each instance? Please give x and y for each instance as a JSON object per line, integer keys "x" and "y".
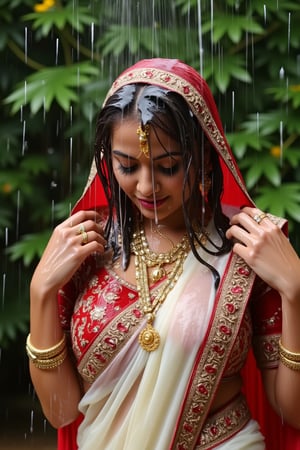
{"x": 153, "y": 182}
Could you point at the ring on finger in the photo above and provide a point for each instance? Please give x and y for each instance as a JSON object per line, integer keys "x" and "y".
{"x": 84, "y": 238}
{"x": 81, "y": 229}
{"x": 259, "y": 217}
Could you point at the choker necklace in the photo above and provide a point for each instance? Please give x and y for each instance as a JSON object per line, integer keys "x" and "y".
{"x": 149, "y": 338}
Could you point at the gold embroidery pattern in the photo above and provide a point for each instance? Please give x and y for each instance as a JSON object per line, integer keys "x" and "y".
{"x": 196, "y": 101}
{"x": 266, "y": 350}
{"x": 109, "y": 343}
{"x": 241, "y": 347}
{"x": 221, "y": 426}
{"x": 230, "y": 309}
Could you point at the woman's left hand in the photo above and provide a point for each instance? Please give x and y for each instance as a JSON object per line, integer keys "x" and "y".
{"x": 266, "y": 249}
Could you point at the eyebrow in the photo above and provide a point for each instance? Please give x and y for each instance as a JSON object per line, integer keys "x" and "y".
{"x": 162, "y": 156}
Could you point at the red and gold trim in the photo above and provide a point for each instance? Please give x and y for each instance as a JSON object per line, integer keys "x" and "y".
{"x": 213, "y": 355}
{"x": 198, "y": 105}
{"x": 266, "y": 350}
{"x": 224, "y": 424}
{"x": 108, "y": 343}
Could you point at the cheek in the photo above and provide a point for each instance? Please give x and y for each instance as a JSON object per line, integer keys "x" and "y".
{"x": 125, "y": 182}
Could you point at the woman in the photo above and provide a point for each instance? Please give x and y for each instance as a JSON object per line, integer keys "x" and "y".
{"x": 164, "y": 271}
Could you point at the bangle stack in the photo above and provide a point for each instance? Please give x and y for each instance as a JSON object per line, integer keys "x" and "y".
{"x": 48, "y": 358}
{"x": 289, "y": 359}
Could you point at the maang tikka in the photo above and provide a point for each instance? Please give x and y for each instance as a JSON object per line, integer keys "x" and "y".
{"x": 143, "y": 133}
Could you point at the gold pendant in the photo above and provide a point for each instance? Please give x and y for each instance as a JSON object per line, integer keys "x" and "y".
{"x": 149, "y": 338}
{"x": 157, "y": 274}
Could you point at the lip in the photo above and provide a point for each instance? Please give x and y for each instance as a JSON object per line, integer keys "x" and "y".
{"x": 151, "y": 204}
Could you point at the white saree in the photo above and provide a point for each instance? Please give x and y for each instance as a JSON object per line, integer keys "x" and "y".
{"x": 134, "y": 403}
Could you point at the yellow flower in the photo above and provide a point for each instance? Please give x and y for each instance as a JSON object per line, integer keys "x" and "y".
{"x": 6, "y": 188}
{"x": 295, "y": 88}
{"x": 42, "y": 7}
{"x": 276, "y": 151}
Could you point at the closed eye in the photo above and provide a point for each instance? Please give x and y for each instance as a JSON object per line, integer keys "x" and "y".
{"x": 126, "y": 170}
{"x": 169, "y": 171}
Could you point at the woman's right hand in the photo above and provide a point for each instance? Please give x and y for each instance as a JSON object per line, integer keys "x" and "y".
{"x": 66, "y": 250}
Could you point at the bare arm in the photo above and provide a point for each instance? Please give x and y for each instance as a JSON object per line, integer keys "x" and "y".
{"x": 59, "y": 389}
{"x": 269, "y": 253}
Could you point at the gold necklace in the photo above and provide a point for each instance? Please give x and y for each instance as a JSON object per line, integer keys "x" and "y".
{"x": 157, "y": 260}
{"x": 149, "y": 338}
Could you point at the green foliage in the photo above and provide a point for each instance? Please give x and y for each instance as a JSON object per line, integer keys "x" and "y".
{"x": 30, "y": 247}
{"x": 57, "y": 64}
{"x": 54, "y": 84}
{"x": 60, "y": 18}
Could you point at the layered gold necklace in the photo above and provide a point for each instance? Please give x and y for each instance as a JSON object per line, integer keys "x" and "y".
{"x": 149, "y": 338}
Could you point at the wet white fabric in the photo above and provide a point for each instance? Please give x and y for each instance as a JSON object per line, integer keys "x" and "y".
{"x": 134, "y": 403}
{"x": 249, "y": 438}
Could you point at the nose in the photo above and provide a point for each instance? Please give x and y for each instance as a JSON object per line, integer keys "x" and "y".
{"x": 146, "y": 184}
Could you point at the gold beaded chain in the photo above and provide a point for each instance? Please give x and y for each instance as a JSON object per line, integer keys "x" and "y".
{"x": 149, "y": 338}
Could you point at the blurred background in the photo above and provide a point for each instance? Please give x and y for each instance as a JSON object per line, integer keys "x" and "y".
{"x": 57, "y": 60}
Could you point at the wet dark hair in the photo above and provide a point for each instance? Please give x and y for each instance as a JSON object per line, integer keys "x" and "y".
{"x": 167, "y": 111}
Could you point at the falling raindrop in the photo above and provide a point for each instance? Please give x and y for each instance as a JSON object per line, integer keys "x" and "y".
{"x": 25, "y": 44}
{"x": 281, "y": 73}
{"x": 25, "y": 92}
{"x": 6, "y": 237}
{"x": 257, "y": 123}
{"x": 18, "y": 215}
{"x": 31, "y": 421}
{"x": 200, "y": 36}
{"x": 3, "y": 288}
{"x": 233, "y": 108}
{"x": 24, "y": 143}
{"x": 265, "y": 14}
{"x": 92, "y": 40}
{"x": 71, "y": 165}
{"x": 56, "y": 51}
{"x": 289, "y": 33}
{"x": 281, "y": 140}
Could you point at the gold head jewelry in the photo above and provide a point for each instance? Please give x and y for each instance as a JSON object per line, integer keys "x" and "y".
{"x": 143, "y": 134}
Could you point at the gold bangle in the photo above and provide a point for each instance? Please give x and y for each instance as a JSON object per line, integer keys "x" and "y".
{"x": 51, "y": 363}
{"x": 291, "y": 356}
{"x": 46, "y": 353}
{"x": 293, "y": 365}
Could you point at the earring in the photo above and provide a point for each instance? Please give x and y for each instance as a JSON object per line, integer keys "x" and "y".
{"x": 205, "y": 186}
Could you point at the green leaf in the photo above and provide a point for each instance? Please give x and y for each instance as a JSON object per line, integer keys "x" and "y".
{"x": 29, "y": 247}
{"x": 260, "y": 165}
{"x": 292, "y": 155}
{"x": 34, "y": 164}
{"x": 233, "y": 26}
{"x": 60, "y": 17}
{"x": 58, "y": 84}
{"x": 241, "y": 141}
{"x": 284, "y": 201}
{"x": 224, "y": 69}
{"x": 14, "y": 317}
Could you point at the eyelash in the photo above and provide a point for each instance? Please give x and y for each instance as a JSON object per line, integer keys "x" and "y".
{"x": 168, "y": 171}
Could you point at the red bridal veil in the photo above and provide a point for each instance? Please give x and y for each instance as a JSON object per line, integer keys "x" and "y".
{"x": 177, "y": 76}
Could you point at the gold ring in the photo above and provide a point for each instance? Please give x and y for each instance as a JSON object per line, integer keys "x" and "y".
{"x": 85, "y": 238}
{"x": 81, "y": 229}
{"x": 259, "y": 217}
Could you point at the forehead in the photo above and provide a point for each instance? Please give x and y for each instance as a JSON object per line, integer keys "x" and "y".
{"x": 125, "y": 137}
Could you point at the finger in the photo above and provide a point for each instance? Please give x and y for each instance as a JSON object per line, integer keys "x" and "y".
{"x": 239, "y": 234}
{"x": 258, "y": 216}
{"x": 82, "y": 216}
{"x": 244, "y": 220}
{"x": 88, "y": 225}
{"x": 88, "y": 237}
